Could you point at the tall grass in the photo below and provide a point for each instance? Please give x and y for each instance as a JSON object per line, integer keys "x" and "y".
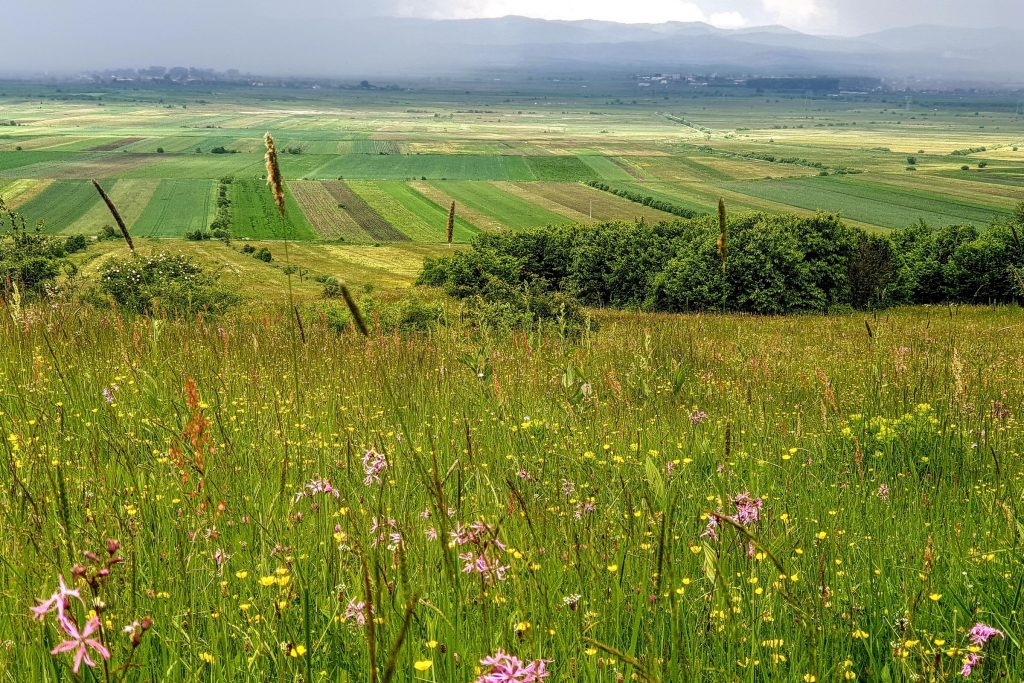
{"x": 887, "y": 466}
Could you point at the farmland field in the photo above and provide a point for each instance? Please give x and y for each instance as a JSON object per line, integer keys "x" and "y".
{"x": 175, "y": 207}
{"x": 510, "y": 162}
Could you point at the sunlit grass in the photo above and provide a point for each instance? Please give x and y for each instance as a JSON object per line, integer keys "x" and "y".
{"x": 252, "y": 522}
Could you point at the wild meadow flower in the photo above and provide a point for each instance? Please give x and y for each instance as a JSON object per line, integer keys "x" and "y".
{"x": 883, "y": 492}
{"x": 316, "y": 487}
{"x": 373, "y": 464}
{"x": 972, "y": 660}
{"x": 504, "y": 668}
{"x": 584, "y": 507}
{"x": 357, "y": 611}
{"x": 748, "y": 511}
{"x": 80, "y": 641}
{"x": 698, "y": 417}
{"x": 981, "y": 633}
{"x": 58, "y": 602}
{"x": 490, "y": 569}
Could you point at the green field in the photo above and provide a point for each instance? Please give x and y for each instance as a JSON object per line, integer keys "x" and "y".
{"x": 418, "y": 218}
{"x": 514, "y": 163}
{"x": 504, "y": 208}
{"x": 60, "y": 205}
{"x": 255, "y": 216}
{"x": 872, "y": 201}
{"x": 176, "y": 207}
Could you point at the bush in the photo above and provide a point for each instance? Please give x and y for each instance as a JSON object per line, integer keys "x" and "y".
{"x": 172, "y": 283}
{"x": 75, "y": 243}
{"x": 29, "y": 259}
{"x": 505, "y": 307}
{"x": 198, "y": 235}
{"x": 263, "y": 254}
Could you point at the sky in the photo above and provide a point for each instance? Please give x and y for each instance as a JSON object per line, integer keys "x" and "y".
{"x": 72, "y": 35}
{"x": 846, "y": 17}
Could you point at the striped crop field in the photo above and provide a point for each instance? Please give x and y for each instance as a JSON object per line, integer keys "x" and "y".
{"x": 597, "y": 205}
{"x": 499, "y": 206}
{"x": 414, "y": 215}
{"x": 132, "y": 198}
{"x": 365, "y": 216}
{"x": 61, "y": 204}
{"x": 326, "y": 214}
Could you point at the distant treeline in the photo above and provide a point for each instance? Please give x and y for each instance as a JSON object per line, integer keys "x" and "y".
{"x": 773, "y": 264}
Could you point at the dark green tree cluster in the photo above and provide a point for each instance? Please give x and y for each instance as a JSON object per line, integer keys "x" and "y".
{"x": 775, "y": 264}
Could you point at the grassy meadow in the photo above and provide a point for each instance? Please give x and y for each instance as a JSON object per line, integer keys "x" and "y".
{"x": 400, "y": 507}
{"x": 267, "y": 495}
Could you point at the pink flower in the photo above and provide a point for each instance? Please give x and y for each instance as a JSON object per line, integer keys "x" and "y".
{"x": 80, "y": 642}
{"x": 504, "y": 668}
{"x": 981, "y": 633}
{"x": 357, "y": 611}
{"x": 373, "y": 464}
{"x": 972, "y": 660}
{"x": 747, "y": 509}
{"x": 57, "y": 602}
{"x": 317, "y": 486}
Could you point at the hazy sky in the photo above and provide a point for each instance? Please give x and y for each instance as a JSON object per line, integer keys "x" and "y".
{"x": 834, "y": 16}
{"x": 75, "y": 34}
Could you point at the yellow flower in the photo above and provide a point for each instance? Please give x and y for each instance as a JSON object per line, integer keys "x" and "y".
{"x": 935, "y": 597}
{"x": 613, "y": 568}
{"x": 268, "y": 580}
{"x": 207, "y": 657}
{"x": 860, "y": 635}
{"x": 591, "y": 651}
{"x": 297, "y": 651}
{"x": 241, "y": 575}
{"x": 422, "y": 664}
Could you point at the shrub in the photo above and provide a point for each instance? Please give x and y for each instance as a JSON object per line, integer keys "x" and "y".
{"x": 172, "y": 283}
{"x": 29, "y": 259}
{"x": 75, "y": 243}
{"x": 505, "y": 307}
{"x": 263, "y": 254}
{"x": 197, "y": 235}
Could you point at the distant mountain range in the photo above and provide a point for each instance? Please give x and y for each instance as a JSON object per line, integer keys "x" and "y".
{"x": 993, "y": 55}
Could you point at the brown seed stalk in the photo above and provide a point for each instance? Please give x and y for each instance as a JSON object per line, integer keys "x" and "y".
{"x": 274, "y": 179}
{"x": 117, "y": 216}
